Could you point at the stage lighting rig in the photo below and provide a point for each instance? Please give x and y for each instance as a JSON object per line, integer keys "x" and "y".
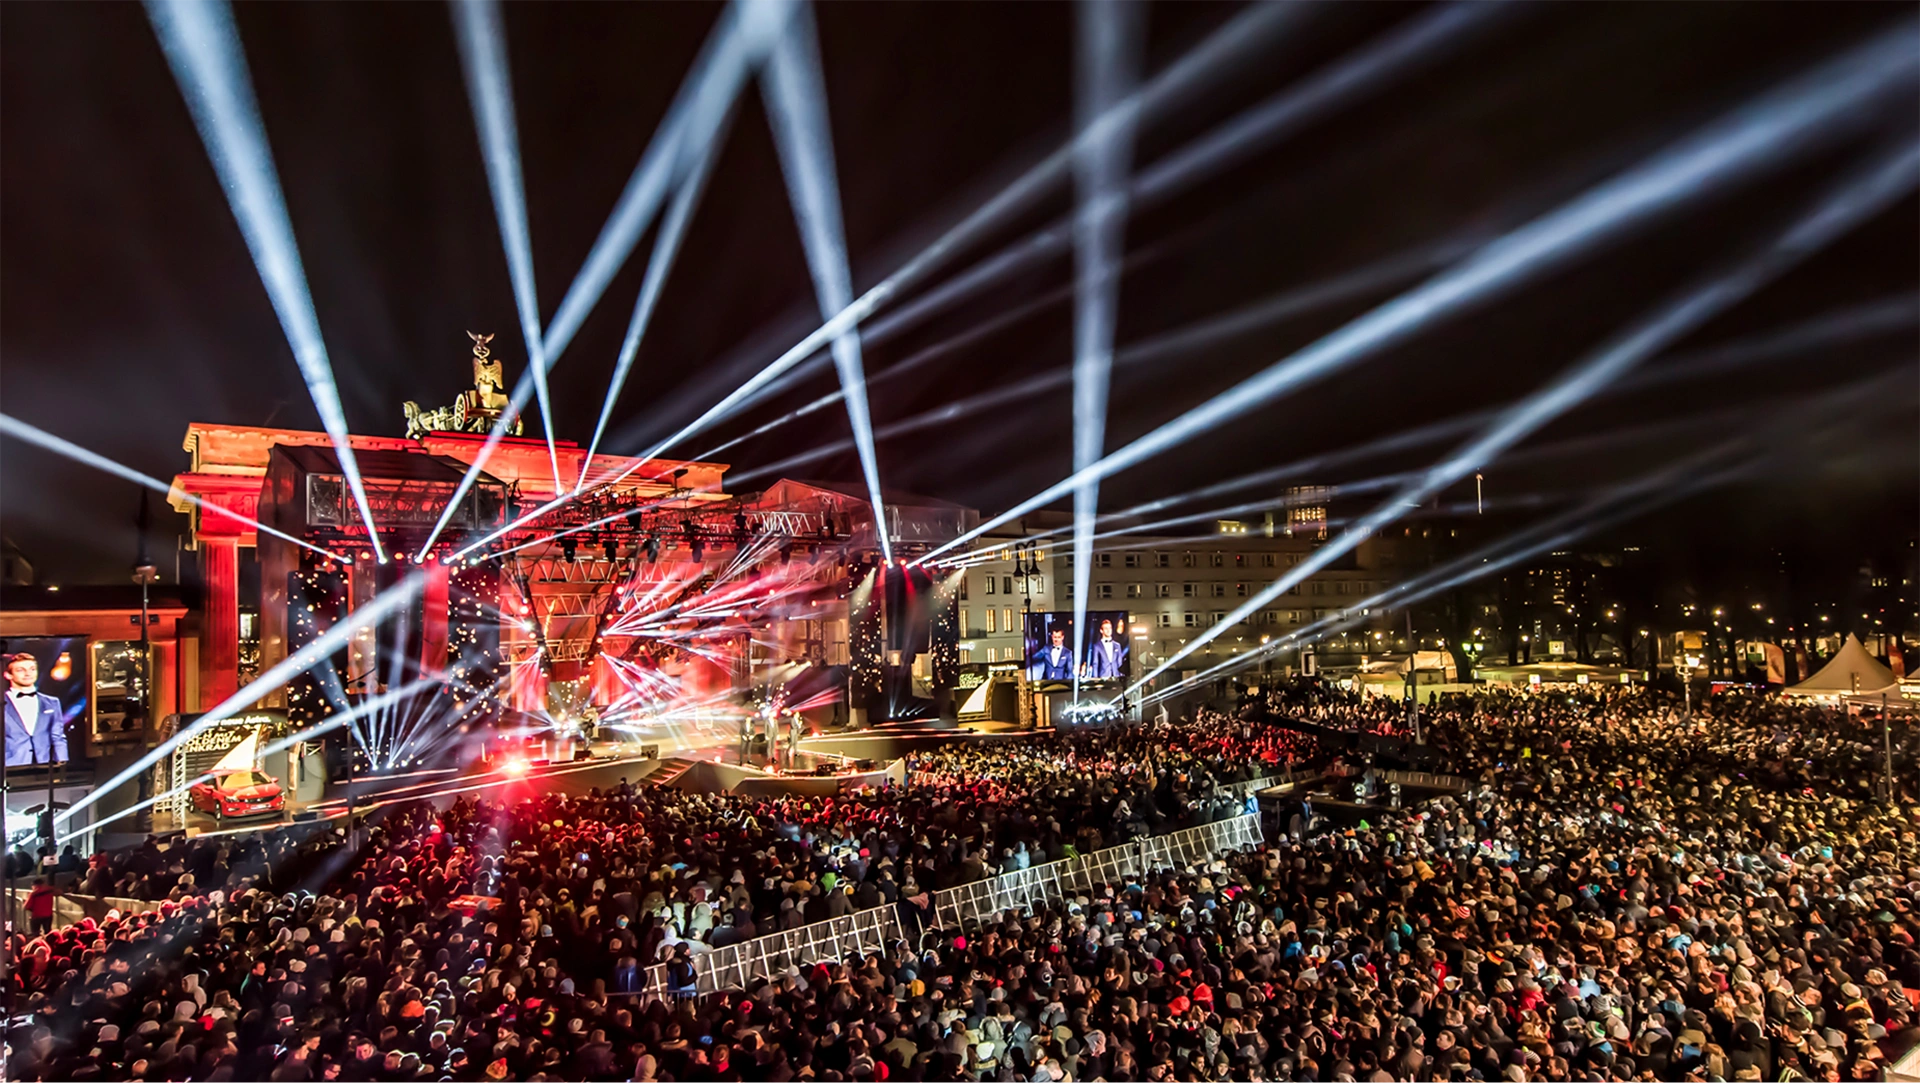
{"x": 569, "y": 549}
{"x": 652, "y": 549}
{"x": 607, "y": 548}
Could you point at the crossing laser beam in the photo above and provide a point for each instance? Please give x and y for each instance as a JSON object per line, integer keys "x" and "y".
{"x": 1395, "y": 54}
{"x": 745, "y": 31}
{"x": 1664, "y": 485}
{"x": 482, "y": 38}
{"x": 1238, "y": 42}
{"x": 1194, "y": 337}
{"x": 333, "y": 639}
{"x": 1108, "y": 40}
{"x": 26, "y": 433}
{"x": 666, "y": 247}
{"x": 795, "y": 93}
{"x": 202, "y": 46}
{"x": 1857, "y": 198}
{"x": 330, "y": 723}
{"x": 1781, "y": 126}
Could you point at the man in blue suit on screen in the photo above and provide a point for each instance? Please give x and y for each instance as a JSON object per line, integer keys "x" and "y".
{"x": 1108, "y": 659}
{"x": 1053, "y": 662}
{"x": 36, "y": 729}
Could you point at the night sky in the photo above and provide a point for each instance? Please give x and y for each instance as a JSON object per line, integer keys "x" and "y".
{"x": 129, "y": 306}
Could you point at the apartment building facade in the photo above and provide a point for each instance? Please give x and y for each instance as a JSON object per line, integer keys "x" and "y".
{"x": 1175, "y": 588}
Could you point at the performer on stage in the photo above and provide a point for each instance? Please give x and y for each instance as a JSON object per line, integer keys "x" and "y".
{"x": 36, "y": 729}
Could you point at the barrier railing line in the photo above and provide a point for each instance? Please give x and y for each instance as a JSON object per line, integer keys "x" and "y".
{"x": 70, "y": 907}
{"x": 736, "y": 965}
{"x": 1018, "y": 890}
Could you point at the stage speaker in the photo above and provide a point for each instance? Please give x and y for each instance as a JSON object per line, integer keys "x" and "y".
{"x": 651, "y": 752}
{"x": 823, "y": 770}
{"x": 305, "y": 816}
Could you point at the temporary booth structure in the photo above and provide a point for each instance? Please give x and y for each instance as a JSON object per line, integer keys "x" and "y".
{"x": 1851, "y": 672}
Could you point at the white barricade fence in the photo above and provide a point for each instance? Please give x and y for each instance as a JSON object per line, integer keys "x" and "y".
{"x": 1027, "y": 889}
{"x": 736, "y": 965}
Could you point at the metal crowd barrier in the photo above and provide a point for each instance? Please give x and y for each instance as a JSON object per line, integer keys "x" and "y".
{"x": 735, "y": 965}
{"x": 1427, "y": 780}
{"x": 1028, "y": 888}
{"x": 69, "y": 909}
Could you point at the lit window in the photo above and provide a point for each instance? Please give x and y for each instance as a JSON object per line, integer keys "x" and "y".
{"x": 993, "y": 654}
{"x": 963, "y": 623}
{"x": 990, "y": 584}
{"x": 990, "y": 628}
{"x": 1006, "y": 619}
{"x": 1187, "y": 559}
{"x": 1133, "y": 590}
{"x": 1039, "y": 584}
{"x": 1163, "y": 590}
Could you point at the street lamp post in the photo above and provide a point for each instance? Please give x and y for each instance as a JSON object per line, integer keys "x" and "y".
{"x": 1688, "y": 663}
{"x": 1026, "y": 565}
{"x": 1886, "y": 745}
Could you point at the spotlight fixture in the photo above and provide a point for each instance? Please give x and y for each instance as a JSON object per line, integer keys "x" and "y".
{"x": 569, "y": 550}
{"x": 606, "y": 547}
{"x": 652, "y": 548}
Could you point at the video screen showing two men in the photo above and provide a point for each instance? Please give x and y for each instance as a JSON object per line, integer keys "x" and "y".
{"x": 1100, "y": 653}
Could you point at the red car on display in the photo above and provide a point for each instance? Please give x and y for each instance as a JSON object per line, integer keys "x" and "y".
{"x": 239, "y": 793}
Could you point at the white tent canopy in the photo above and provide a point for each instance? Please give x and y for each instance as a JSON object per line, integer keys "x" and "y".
{"x": 1851, "y": 672}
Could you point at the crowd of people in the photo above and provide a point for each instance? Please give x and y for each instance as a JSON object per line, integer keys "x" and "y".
{"x": 1624, "y": 892}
